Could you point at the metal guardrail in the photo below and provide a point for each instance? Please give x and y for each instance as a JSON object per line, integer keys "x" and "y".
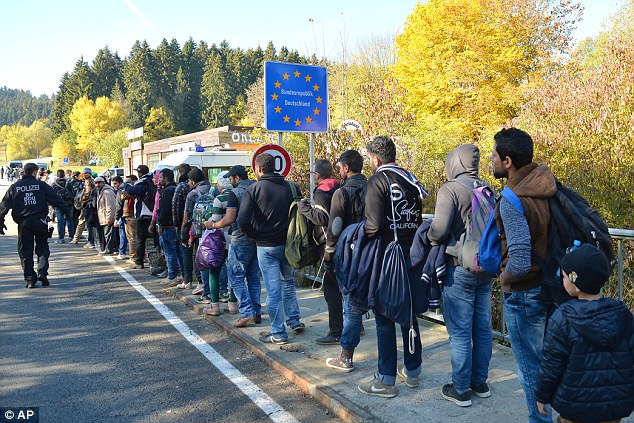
{"x": 618, "y": 235}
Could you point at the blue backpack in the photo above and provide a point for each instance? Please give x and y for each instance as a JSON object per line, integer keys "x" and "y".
{"x": 490, "y": 250}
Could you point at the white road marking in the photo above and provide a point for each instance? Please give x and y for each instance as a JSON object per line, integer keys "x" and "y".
{"x": 251, "y": 390}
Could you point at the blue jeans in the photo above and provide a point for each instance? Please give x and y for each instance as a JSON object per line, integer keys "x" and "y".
{"x": 388, "y": 354}
{"x": 525, "y": 318}
{"x": 279, "y": 281}
{"x": 243, "y": 264}
{"x": 352, "y": 323}
{"x": 173, "y": 253}
{"x": 123, "y": 240}
{"x": 466, "y": 308}
{"x": 63, "y": 221}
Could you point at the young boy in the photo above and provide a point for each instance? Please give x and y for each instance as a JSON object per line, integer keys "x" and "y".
{"x": 587, "y": 369}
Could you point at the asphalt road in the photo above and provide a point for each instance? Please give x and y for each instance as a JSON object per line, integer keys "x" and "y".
{"x": 91, "y": 348}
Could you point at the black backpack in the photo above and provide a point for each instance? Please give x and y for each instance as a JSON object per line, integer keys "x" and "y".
{"x": 354, "y": 195}
{"x": 67, "y": 193}
{"x": 571, "y": 219}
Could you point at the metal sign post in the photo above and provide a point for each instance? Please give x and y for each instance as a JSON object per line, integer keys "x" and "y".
{"x": 312, "y": 167}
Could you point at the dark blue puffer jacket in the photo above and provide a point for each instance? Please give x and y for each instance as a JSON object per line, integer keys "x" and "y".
{"x": 587, "y": 371}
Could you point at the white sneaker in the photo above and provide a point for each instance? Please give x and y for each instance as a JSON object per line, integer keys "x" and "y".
{"x": 184, "y": 285}
{"x": 122, "y": 257}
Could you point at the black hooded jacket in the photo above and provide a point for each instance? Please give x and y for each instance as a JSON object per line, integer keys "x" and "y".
{"x": 29, "y": 198}
{"x": 587, "y": 370}
{"x": 263, "y": 214}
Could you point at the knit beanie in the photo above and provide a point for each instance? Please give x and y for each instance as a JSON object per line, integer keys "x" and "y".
{"x": 586, "y": 268}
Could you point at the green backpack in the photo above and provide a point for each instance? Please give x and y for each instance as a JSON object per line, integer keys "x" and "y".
{"x": 203, "y": 209}
{"x": 301, "y": 249}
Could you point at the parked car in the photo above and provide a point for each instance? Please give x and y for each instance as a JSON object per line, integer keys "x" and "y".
{"x": 95, "y": 161}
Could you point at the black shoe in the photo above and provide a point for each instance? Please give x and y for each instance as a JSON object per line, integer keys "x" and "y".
{"x": 328, "y": 340}
{"x": 298, "y": 327}
{"x": 481, "y": 390}
{"x": 257, "y": 319}
{"x": 30, "y": 285}
{"x": 450, "y": 394}
{"x": 44, "y": 280}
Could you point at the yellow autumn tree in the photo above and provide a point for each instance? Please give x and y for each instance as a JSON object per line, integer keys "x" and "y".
{"x": 64, "y": 146}
{"x": 463, "y": 62}
{"x": 158, "y": 125}
{"x": 92, "y": 121}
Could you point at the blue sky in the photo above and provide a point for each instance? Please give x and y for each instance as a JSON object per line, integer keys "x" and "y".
{"x": 42, "y": 39}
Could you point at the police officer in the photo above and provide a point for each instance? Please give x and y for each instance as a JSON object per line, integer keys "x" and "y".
{"x": 29, "y": 199}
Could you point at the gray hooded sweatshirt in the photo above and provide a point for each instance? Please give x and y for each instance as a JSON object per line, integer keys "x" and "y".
{"x": 453, "y": 202}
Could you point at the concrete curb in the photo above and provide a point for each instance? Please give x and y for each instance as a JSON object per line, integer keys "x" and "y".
{"x": 343, "y": 408}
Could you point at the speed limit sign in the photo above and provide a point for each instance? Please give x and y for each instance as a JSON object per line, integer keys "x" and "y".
{"x": 279, "y": 153}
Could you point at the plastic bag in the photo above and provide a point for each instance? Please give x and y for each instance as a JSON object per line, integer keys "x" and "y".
{"x": 210, "y": 249}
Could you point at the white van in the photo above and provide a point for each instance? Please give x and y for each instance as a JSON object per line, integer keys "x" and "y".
{"x": 211, "y": 162}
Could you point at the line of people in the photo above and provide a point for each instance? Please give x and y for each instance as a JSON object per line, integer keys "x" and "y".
{"x": 590, "y": 336}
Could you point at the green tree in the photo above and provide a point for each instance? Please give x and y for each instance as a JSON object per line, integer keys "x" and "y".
{"x": 181, "y": 95}
{"x": 80, "y": 82}
{"x": 194, "y": 57}
{"x": 270, "y": 52}
{"x": 106, "y": 68}
{"x": 215, "y": 93}
{"x": 19, "y": 106}
{"x": 140, "y": 78}
{"x": 167, "y": 58}
{"x": 73, "y": 86}
{"x": 110, "y": 145}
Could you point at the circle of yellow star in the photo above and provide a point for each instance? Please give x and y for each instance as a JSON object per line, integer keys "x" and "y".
{"x": 278, "y": 84}
{"x": 274, "y": 96}
{"x": 287, "y": 119}
{"x": 308, "y": 78}
{"x": 297, "y": 74}
{"x": 316, "y": 87}
{"x": 318, "y": 99}
{"x": 309, "y": 119}
{"x": 298, "y": 122}
{"x": 278, "y": 109}
{"x": 285, "y": 75}
{"x": 316, "y": 111}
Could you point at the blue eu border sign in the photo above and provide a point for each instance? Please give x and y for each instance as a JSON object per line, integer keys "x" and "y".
{"x": 295, "y": 97}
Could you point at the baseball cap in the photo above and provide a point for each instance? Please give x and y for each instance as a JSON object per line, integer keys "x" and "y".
{"x": 142, "y": 169}
{"x": 87, "y": 170}
{"x": 587, "y": 268}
